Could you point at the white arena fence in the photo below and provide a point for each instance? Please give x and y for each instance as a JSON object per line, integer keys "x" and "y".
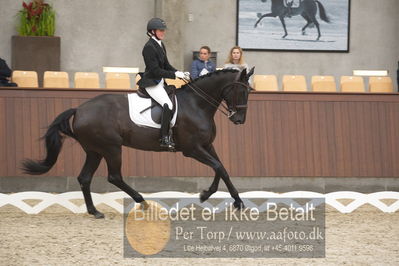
{"x": 111, "y": 199}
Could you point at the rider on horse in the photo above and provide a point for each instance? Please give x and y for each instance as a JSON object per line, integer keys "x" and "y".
{"x": 290, "y": 5}
{"x": 157, "y": 68}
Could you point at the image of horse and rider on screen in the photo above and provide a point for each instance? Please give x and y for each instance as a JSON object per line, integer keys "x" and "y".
{"x": 293, "y": 25}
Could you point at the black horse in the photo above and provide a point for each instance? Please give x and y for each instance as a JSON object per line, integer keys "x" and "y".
{"x": 307, "y": 9}
{"x": 102, "y": 125}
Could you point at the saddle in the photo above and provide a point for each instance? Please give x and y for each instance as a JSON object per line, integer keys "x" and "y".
{"x": 156, "y": 108}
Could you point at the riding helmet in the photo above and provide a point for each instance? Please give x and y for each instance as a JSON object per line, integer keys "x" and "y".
{"x": 156, "y": 24}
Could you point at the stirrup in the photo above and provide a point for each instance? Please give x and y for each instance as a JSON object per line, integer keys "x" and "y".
{"x": 166, "y": 142}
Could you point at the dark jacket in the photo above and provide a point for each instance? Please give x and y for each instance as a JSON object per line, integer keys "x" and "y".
{"x": 156, "y": 65}
{"x": 5, "y": 71}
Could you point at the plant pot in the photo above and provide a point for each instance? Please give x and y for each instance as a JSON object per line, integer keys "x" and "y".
{"x": 36, "y": 53}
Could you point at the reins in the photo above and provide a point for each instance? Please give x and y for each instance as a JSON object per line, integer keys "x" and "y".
{"x": 214, "y": 102}
{"x": 209, "y": 100}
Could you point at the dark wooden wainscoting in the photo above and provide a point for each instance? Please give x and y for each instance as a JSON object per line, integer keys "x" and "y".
{"x": 286, "y": 134}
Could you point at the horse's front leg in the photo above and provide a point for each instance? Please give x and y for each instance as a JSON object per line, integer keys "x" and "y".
{"x": 205, "y": 194}
{"x": 209, "y": 157}
{"x": 260, "y": 17}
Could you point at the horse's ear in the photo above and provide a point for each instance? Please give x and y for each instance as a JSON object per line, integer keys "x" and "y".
{"x": 250, "y": 73}
{"x": 243, "y": 74}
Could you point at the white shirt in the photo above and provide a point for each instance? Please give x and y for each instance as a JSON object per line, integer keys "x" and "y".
{"x": 158, "y": 41}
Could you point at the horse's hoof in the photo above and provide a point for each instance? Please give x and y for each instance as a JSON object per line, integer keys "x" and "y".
{"x": 144, "y": 204}
{"x": 138, "y": 198}
{"x": 98, "y": 215}
{"x": 204, "y": 196}
{"x": 239, "y": 205}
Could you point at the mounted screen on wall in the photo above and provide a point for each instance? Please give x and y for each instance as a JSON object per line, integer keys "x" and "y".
{"x": 293, "y": 25}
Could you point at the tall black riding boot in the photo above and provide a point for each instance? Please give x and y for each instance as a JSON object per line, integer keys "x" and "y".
{"x": 166, "y": 138}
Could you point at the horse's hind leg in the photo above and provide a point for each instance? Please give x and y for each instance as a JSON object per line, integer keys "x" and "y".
{"x": 90, "y": 166}
{"x": 284, "y": 27}
{"x": 311, "y": 19}
{"x": 114, "y": 163}
{"x": 318, "y": 29}
{"x": 307, "y": 24}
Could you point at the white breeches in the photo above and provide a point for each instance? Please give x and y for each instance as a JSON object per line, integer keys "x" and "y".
{"x": 159, "y": 94}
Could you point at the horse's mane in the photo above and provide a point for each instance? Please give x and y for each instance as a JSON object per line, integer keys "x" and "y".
{"x": 214, "y": 73}
{"x": 210, "y": 74}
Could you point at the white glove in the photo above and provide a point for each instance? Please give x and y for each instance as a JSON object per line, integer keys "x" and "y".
{"x": 182, "y": 75}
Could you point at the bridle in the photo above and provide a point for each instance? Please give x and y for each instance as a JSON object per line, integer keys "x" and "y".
{"x": 228, "y": 111}
{"x": 234, "y": 107}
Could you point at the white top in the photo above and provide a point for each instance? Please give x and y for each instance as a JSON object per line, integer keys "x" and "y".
{"x": 158, "y": 41}
{"x": 236, "y": 66}
{"x": 239, "y": 68}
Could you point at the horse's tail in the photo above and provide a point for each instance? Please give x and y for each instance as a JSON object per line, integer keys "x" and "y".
{"x": 323, "y": 14}
{"x": 53, "y": 144}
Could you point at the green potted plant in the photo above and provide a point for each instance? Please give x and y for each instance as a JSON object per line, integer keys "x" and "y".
{"x": 36, "y": 19}
{"x": 35, "y": 47}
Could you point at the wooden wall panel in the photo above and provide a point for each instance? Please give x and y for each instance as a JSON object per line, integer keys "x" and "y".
{"x": 286, "y": 134}
{"x": 10, "y": 137}
{"x": 3, "y": 138}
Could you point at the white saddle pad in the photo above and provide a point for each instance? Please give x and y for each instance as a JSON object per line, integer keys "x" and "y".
{"x": 138, "y": 104}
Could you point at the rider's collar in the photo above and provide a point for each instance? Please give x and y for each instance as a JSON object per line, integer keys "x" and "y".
{"x": 158, "y": 41}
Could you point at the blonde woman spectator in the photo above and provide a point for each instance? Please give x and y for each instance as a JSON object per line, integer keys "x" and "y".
{"x": 235, "y": 59}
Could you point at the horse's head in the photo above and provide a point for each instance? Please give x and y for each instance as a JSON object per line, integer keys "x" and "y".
{"x": 236, "y": 94}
